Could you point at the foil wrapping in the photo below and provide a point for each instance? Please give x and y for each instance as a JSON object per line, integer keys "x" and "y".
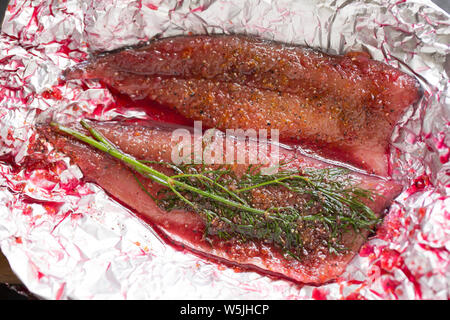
{"x": 66, "y": 239}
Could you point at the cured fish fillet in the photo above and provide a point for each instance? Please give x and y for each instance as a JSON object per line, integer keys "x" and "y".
{"x": 342, "y": 106}
{"x": 185, "y": 228}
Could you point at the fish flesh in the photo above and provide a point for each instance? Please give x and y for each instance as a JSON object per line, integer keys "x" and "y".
{"x": 343, "y": 107}
{"x": 185, "y": 228}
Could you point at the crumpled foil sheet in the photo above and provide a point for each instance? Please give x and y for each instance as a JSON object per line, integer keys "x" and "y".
{"x": 66, "y": 239}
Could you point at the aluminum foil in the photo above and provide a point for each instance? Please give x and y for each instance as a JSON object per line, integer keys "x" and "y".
{"x": 68, "y": 240}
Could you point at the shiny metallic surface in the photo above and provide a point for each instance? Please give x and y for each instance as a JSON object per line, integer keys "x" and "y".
{"x": 66, "y": 239}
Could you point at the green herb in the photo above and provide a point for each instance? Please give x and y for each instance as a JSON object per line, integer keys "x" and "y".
{"x": 327, "y": 203}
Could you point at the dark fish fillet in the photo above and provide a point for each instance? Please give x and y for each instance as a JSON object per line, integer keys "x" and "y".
{"x": 186, "y": 228}
{"x": 343, "y": 106}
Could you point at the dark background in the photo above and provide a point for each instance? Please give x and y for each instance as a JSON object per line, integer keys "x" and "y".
{"x": 18, "y": 292}
{"x": 3, "y": 4}
{"x": 445, "y": 4}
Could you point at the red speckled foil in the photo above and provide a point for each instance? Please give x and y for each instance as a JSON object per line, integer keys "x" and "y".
{"x": 66, "y": 239}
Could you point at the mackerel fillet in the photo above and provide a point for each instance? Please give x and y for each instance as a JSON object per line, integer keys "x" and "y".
{"x": 184, "y": 228}
{"x": 343, "y": 107}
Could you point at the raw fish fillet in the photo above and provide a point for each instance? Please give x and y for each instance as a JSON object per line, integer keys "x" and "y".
{"x": 185, "y": 228}
{"x": 344, "y": 107}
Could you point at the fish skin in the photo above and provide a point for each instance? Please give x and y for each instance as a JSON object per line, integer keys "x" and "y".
{"x": 342, "y": 106}
{"x": 185, "y": 229}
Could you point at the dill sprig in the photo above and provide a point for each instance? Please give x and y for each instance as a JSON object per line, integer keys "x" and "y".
{"x": 327, "y": 203}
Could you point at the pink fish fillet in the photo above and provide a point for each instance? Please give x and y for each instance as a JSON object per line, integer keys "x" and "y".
{"x": 185, "y": 228}
{"x": 343, "y": 107}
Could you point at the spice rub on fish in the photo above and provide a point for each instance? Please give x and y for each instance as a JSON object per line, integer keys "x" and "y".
{"x": 342, "y": 106}
{"x": 304, "y": 222}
